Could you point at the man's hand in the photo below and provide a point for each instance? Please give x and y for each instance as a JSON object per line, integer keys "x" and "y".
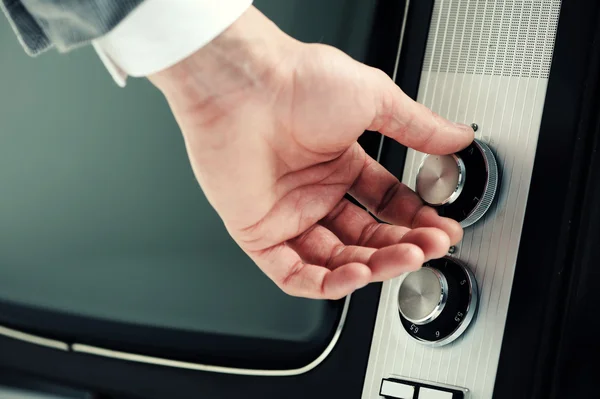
{"x": 271, "y": 128}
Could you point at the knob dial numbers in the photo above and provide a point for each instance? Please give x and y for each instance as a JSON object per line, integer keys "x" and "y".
{"x": 458, "y": 308}
{"x": 466, "y": 198}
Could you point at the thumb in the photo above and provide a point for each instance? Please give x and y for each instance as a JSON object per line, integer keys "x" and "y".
{"x": 400, "y": 118}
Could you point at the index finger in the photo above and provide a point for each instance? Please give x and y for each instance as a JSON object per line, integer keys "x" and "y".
{"x": 404, "y": 120}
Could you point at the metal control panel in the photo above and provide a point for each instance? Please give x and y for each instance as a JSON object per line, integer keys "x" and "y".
{"x": 486, "y": 64}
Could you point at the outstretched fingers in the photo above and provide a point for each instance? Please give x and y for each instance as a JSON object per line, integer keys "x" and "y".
{"x": 318, "y": 265}
{"x": 355, "y": 226}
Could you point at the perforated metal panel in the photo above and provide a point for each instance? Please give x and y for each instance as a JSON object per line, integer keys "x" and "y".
{"x": 486, "y": 62}
{"x": 506, "y": 38}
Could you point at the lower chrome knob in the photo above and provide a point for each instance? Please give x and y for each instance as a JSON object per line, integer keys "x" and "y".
{"x": 423, "y": 295}
{"x": 437, "y": 303}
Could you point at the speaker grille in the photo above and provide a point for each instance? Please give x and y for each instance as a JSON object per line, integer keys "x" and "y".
{"x": 485, "y": 37}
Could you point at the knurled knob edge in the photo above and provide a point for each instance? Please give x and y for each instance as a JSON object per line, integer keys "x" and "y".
{"x": 489, "y": 192}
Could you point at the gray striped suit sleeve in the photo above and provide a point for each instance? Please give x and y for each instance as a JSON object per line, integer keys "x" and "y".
{"x": 63, "y": 24}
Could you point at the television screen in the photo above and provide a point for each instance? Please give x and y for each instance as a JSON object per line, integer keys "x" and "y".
{"x": 105, "y": 236}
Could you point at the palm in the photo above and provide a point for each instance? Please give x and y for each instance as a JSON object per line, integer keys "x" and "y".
{"x": 287, "y": 155}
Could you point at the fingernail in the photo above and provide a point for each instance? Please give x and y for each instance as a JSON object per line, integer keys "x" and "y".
{"x": 462, "y": 126}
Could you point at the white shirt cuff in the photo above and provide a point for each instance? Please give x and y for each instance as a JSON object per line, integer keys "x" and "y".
{"x": 159, "y": 33}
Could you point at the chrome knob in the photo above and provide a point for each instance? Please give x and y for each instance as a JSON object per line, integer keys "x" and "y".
{"x": 437, "y": 303}
{"x": 460, "y": 186}
{"x": 441, "y": 179}
{"x": 422, "y": 295}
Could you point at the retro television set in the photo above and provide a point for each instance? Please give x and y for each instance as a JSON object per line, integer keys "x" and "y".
{"x": 117, "y": 279}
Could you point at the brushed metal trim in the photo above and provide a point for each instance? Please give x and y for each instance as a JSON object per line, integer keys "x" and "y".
{"x": 33, "y": 339}
{"x": 157, "y": 361}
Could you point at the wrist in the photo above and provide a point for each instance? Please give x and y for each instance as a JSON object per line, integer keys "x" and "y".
{"x": 244, "y": 60}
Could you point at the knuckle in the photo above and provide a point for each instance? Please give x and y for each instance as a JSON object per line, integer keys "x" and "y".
{"x": 288, "y": 283}
{"x": 336, "y": 251}
{"x": 427, "y": 137}
{"x": 387, "y": 198}
{"x": 417, "y": 216}
{"x": 405, "y": 127}
{"x": 253, "y": 237}
{"x": 368, "y": 233}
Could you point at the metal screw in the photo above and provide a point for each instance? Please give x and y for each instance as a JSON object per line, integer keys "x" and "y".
{"x": 474, "y": 126}
{"x": 452, "y": 250}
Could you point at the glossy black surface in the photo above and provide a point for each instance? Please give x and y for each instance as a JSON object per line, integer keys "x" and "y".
{"x": 543, "y": 354}
{"x": 578, "y": 346}
{"x": 174, "y": 344}
{"x": 341, "y": 375}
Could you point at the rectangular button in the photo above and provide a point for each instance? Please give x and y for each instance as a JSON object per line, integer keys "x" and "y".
{"x": 393, "y": 389}
{"x": 428, "y": 393}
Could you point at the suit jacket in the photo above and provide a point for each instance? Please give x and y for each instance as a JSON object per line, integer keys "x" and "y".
{"x": 64, "y": 24}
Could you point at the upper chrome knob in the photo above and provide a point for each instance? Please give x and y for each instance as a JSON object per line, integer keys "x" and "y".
{"x": 460, "y": 186}
{"x": 422, "y": 295}
{"x": 441, "y": 179}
